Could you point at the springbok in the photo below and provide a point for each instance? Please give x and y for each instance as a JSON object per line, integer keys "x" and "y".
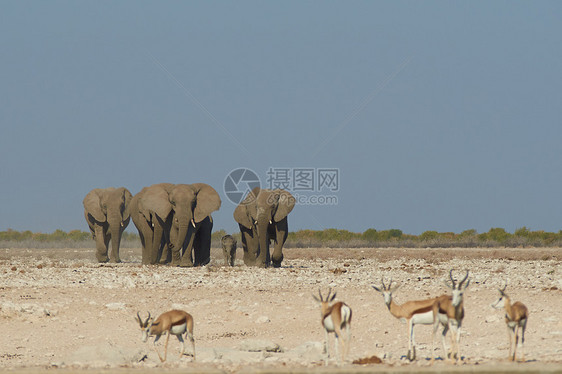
{"x": 174, "y": 322}
{"x": 449, "y": 312}
{"x": 415, "y": 312}
{"x": 335, "y": 318}
{"x": 516, "y": 316}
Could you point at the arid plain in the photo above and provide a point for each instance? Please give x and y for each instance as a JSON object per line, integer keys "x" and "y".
{"x": 60, "y": 309}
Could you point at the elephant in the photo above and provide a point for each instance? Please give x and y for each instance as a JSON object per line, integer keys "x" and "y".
{"x": 150, "y": 227}
{"x": 262, "y": 216}
{"x": 107, "y": 212}
{"x": 229, "y": 243}
{"x": 175, "y": 220}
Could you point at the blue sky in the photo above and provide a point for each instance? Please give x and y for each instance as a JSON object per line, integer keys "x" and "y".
{"x": 438, "y": 115}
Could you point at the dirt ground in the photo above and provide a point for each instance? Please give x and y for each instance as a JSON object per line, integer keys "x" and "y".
{"x": 61, "y": 309}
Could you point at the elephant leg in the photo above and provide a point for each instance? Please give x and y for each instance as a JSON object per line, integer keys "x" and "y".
{"x": 166, "y": 255}
{"x": 281, "y": 232}
{"x": 196, "y": 248}
{"x": 147, "y": 237}
{"x": 156, "y": 243}
{"x": 250, "y": 245}
{"x": 202, "y": 245}
{"x": 163, "y": 247}
{"x": 102, "y": 240}
{"x": 92, "y": 227}
{"x": 187, "y": 258}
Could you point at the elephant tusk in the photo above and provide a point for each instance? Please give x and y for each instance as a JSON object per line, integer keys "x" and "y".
{"x": 152, "y": 224}
{"x": 255, "y": 222}
{"x": 121, "y": 224}
{"x": 271, "y": 223}
{"x": 193, "y": 222}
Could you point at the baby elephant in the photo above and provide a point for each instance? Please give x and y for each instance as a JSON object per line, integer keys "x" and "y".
{"x": 229, "y": 249}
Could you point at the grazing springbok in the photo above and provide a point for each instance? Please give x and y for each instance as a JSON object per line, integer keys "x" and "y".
{"x": 335, "y": 318}
{"x": 415, "y": 312}
{"x": 449, "y": 312}
{"x": 516, "y": 316}
{"x": 175, "y": 322}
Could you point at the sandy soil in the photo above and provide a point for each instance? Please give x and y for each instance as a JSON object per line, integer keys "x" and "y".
{"x": 61, "y": 309}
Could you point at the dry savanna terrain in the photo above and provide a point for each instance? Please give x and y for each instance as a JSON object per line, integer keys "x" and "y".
{"x": 60, "y": 309}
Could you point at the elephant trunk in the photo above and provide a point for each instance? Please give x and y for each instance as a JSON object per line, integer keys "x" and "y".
{"x": 262, "y": 230}
{"x": 182, "y": 233}
{"x": 116, "y": 230}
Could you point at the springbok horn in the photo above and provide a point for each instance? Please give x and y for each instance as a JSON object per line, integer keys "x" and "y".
{"x": 320, "y": 294}
{"x": 465, "y": 278}
{"x": 383, "y": 286}
{"x": 451, "y": 276}
{"x": 139, "y": 319}
{"x": 504, "y": 287}
{"x": 147, "y": 318}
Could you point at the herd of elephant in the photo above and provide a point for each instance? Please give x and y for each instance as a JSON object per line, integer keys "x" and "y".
{"x": 175, "y": 224}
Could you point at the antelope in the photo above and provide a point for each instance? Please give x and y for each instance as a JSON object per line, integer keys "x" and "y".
{"x": 516, "y": 316}
{"x": 449, "y": 312}
{"x": 335, "y": 318}
{"x": 174, "y": 322}
{"x": 414, "y": 312}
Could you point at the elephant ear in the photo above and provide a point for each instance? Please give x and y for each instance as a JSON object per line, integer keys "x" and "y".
{"x": 144, "y": 210}
{"x": 136, "y": 206}
{"x": 155, "y": 199}
{"x": 241, "y": 214}
{"x": 285, "y": 206}
{"x": 207, "y": 201}
{"x": 92, "y": 205}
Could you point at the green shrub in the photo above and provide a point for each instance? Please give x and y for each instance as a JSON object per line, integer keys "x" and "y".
{"x": 498, "y": 234}
{"x": 523, "y": 232}
{"x": 429, "y": 235}
{"x": 369, "y": 235}
{"x": 468, "y": 233}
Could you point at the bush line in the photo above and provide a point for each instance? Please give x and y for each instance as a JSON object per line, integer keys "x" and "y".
{"x": 495, "y": 237}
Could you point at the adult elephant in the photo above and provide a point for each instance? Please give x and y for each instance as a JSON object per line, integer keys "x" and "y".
{"x": 107, "y": 212}
{"x": 262, "y": 217}
{"x": 153, "y": 229}
{"x": 183, "y": 213}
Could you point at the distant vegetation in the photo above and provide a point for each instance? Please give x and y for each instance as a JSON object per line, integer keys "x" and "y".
{"x": 496, "y": 237}
{"x": 58, "y": 238}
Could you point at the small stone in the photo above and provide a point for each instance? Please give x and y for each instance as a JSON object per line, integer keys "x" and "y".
{"x": 115, "y": 306}
{"x": 254, "y": 345}
{"x": 263, "y": 319}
